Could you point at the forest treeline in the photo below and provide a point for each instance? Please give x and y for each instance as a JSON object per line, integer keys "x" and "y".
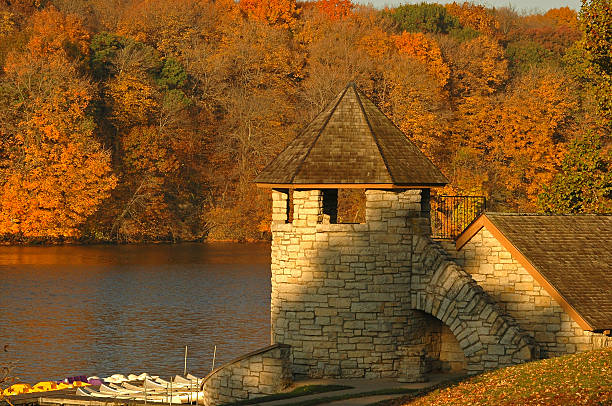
{"x": 134, "y": 120}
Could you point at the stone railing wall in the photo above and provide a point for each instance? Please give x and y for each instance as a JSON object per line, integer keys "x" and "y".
{"x": 262, "y": 372}
{"x": 512, "y": 287}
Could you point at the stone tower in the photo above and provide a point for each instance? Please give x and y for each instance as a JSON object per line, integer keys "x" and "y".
{"x": 346, "y": 296}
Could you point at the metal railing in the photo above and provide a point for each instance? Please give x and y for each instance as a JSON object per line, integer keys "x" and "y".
{"x": 450, "y": 215}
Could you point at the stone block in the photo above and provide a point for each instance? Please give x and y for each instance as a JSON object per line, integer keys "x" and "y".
{"x": 250, "y": 381}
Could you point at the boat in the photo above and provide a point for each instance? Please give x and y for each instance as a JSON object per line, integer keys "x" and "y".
{"x": 17, "y": 389}
{"x": 154, "y": 385}
{"x": 173, "y": 384}
{"x": 116, "y": 378}
{"x": 154, "y": 389}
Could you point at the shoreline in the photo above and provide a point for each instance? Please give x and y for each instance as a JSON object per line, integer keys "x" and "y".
{"x": 6, "y": 242}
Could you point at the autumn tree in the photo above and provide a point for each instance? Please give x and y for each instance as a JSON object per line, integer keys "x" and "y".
{"x": 426, "y": 50}
{"x": 335, "y": 9}
{"x": 596, "y": 20}
{"x": 419, "y": 107}
{"x": 584, "y": 184}
{"x": 424, "y": 17}
{"x": 159, "y": 113}
{"x": 169, "y": 26}
{"x": 253, "y": 94}
{"x": 474, "y": 16}
{"x": 478, "y": 67}
{"x": 519, "y": 139}
{"x": 56, "y": 172}
{"x": 147, "y": 104}
{"x": 280, "y": 13}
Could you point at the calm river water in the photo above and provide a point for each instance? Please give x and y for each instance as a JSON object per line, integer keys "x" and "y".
{"x": 99, "y": 310}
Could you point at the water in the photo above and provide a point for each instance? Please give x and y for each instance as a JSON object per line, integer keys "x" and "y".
{"x": 99, "y": 310}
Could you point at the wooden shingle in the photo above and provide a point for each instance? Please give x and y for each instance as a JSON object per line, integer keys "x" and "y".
{"x": 351, "y": 143}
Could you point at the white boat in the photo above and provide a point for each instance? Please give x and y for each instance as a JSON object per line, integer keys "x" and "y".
{"x": 153, "y": 385}
{"x": 116, "y": 378}
{"x": 85, "y": 391}
{"x": 174, "y": 384}
{"x": 194, "y": 378}
{"x": 179, "y": 379}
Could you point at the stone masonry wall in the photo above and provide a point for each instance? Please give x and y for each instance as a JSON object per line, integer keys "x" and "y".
{"x": 262, "y": 372}
{"x": 489, "y": 337}
{"x": 347, "y": 299}
{"x": 519, "y": 294}
{"x": 340, "y": 292}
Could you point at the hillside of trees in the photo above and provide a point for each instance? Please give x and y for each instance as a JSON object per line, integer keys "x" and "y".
{"x": 140, "y": 120}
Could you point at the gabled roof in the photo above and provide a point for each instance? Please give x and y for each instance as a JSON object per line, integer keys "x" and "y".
{"x": 351, "y": 143}
{"x": 569, "y": 255}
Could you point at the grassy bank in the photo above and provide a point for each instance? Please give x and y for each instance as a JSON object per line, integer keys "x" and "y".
{"x": 578, "y": 379}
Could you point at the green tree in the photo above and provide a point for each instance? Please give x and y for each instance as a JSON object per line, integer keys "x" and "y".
{"x": 584, "y": 183}
{"x": 424, "y": 17}
{"x": 596, "y": 20}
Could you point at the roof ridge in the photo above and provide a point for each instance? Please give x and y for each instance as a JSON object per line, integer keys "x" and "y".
{"x": 365, "y": 116}
{"x": 331, "y": 113}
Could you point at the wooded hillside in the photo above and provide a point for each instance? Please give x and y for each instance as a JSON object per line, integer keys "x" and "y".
{"x": 135, "y": 120}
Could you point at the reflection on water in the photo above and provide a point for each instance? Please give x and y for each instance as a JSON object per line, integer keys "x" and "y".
{"x": 84, "y": 310}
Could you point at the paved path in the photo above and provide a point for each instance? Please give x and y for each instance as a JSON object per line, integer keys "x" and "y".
{"x": 362, "y": 401}
{"x": 359, "y": 386}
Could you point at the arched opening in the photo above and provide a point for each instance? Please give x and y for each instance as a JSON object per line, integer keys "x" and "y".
{"x": 443, "y": 354}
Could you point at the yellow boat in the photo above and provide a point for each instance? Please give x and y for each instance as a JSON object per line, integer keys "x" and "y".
{"x": 17, "y": 389}
{"x": 44, "y": 386}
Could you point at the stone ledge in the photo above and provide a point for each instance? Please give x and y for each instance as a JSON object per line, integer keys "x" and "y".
{"x": 263, "y": 371}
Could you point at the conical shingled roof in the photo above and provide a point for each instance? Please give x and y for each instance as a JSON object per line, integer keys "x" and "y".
{"x": 351, "y": 143}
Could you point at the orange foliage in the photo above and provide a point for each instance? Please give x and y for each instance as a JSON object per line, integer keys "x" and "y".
{"x": 519, "y": 139}
{"x": 419, "y": 107}
{"x": 146, "y": 150}
{"x": 280, "y": 13}
{"x": 475, "y": 17}
{"x": 168, "y": 25}
{"x": 555, "y": 30}
{"x": 335, "y": 9}
{"x": 377, "y": 43}
{"x": 563, "y": 16}
{"x": 480, "y": 67}
{"x": 426, "y": 50}
{"x": 54, "y": 33}
{"x": 133, "y": 98}
{"x": 59, "y": 174}
{"x": 62, "y": 185}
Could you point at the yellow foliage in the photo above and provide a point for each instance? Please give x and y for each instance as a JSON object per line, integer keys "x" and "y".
{"x": 133, "y": 98}
{"x": 426, "y": 50}
{"x": 480, "y": 67}
{"x": 168, "y": 25}
{"x": 278, "y": 13}
{"x": 474, "y": 16}
{"x": 377, "y": 43}
{"x": 146, "y": 150}
{"x": 54, "y": 33}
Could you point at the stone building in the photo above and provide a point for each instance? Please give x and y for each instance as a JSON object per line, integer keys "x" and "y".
{"x": 358, "y": 300}
{"x": 382, "y": 298}
{"x": 552, "y": 274}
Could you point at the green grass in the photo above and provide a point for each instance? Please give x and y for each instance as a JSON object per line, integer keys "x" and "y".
{"x": 577, "y": 379}
{"x": 300, "y": 391}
